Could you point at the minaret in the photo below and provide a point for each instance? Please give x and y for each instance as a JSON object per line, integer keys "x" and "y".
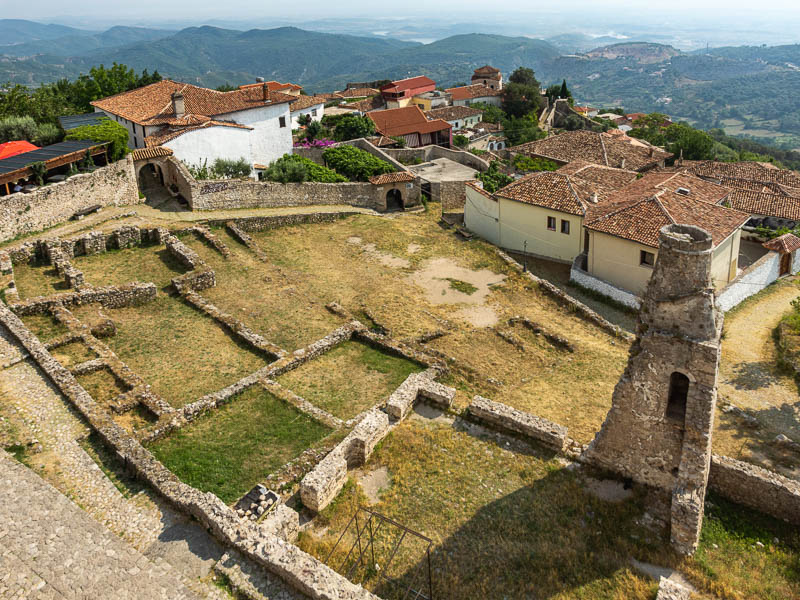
{"x": 658, "y": 431}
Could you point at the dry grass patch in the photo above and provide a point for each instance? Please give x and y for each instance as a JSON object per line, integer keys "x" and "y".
{"x": 181, "y": 353}
{"x": 349, "y": 379}
{"x": 234, "y": 447}
{"x": 73, "y": 354}
{"x": 101, "y": 385}
{"x": 117, "y": 267}
{"x": 504, "y": 524}
{"x": 38, "y": 280}
{"x": 45, "y": 327}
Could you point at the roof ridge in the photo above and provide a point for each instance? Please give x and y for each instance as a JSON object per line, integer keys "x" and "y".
{"x": 605, "y": 152}
{"x": 657, "y": 198}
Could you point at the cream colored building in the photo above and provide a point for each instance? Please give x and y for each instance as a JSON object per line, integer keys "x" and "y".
{"x": 542, "y": 214}
{"x": 623, "y": 233}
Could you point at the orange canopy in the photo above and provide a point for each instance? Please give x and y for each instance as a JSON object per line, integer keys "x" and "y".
{"x": 10, "y": 149}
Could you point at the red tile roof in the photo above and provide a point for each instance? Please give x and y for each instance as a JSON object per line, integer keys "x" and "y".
{"x": 164, "y": 135}
{"x": 784, "y": 244}
{"x": 604, "y": 180}
{"x": 452, "y": 113}
{"x": 410, "y": 83}
{"x": 475, "y": 185}
{"x": 152, "y": 104}
{"x": 273, "y": 86}
{"x": 366, "y": 105}
{"x": 638, "y": 211}
{"x": 402, "y": 121}
{"x": 549, "y": 189}
{"x": 357, "y": 93}
{"x": 753, "y": 171}
{"x": 154, "y": 152}
{"x": 765, "y": 204}
{"x": 486, "y": 70}
{"x": 470, "y": 92}
{"x": 396, "y": 177}
{"x": 594, "y": 147}
{"x": 302, "y": 102}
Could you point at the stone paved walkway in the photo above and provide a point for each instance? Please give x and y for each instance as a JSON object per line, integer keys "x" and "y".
{"x": 50, "y": 548}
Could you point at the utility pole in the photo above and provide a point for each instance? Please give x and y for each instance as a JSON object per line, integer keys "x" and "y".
{"x": 525, "y": 256}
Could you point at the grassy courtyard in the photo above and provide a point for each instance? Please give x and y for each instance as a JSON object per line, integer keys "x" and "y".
{"x": 37, "y": 280}
{"x": 117, "y": 267}
{"x": 349, "y": 379}
{"x": 236, "y": 446}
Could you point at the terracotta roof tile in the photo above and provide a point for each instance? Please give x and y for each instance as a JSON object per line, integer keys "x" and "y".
{"x": 303, "y": 102}
{"x": 549, "y": 189}
{"x": 604, "y": 180}
{"x": 154, "y": 152}
{"x": 366, "y": 105}
{"x": 753, "y": 171}
{"x": 638, "y": 211}
{"x": 166, "y": 134}
{"x": 407, "y": 84}
{"x": 401, "y": 121}
{"x": 396, "y": 177}
{"x": 357, "y": 92}
{"x": 765, "y": 204}
{"x": 487, "y": 70}
{"x": 152, "y": 104}
{"x": 475, "y": 185}
{"x": 784, "y": 244}
{"x": 273, "y": 86}
{"x": 594, "y": 147}
{"x": 452, "y": 113}
{"x": 470, "y": 92}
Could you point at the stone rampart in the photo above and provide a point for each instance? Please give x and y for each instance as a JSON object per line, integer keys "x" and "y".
{"x": 239, "y": 193}
{"x": 250, "y": 224}
{"x": 113, "y": 185}
{"x": 429, "y": 153}
{"x": 505, "y": 418}
{"x": 756, "y": 488}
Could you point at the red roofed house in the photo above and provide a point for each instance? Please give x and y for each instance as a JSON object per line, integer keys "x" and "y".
{"x": 200, "y": 124}
{"x": 398, "y": 94}
{"x": 469, "y": 94}
{"x": 411, "y": 124}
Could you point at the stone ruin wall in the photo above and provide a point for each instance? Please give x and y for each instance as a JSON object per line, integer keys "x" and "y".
{"x": 112, "y": 185}
{"x": 452, "y": 195}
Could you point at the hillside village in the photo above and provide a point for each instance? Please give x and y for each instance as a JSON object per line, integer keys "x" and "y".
{"x": 396, "y": 340}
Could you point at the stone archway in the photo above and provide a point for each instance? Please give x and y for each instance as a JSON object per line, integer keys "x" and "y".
{"x": 394, "y": 199}
{"x": 150, "y": 175}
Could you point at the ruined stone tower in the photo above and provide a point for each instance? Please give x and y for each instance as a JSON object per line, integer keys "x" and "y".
{"x": 658, "y": 431}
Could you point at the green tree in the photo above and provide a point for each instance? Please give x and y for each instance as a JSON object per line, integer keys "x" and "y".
{"x": 695, "y": 144}
{"x": 351, "y": 127}
{"x": 231, "y": 169}
{"x": 522, "y": 95}
{"x": 522, "y": 130}
{"x": 225, "y": 87}
{"x": 460, "y": 141}
{"x": 304, "y": 120}
{"x": 296, "y": 168}
{"x": 491, "y": 113}
{"x": 105, "y": 131}
{"x": 564, "y": 91}
{"x": 354, "y": 163}
{"x": 493, "y": 179}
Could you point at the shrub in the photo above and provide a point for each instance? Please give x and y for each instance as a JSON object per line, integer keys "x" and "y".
{"x": 460, "y": 141}
{"x": 105, "y": 131}
{"x": 528, "y": 163}
{"x": 39, "y": 170}
{"x": 46, "y": 134}
{"x": 493, "y": 179}
{"x": 296, "y": 169}
{"x": 354, "y": 163}
{"x": 25, "y": 128}
{"x": 351, "y": 127}
{"x": 230, "y": 169}
{"x": 200, "y": 171}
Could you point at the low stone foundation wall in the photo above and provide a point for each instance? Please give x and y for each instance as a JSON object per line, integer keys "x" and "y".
{"x": 756, "y": 488}
{"x": 132, "y": 294}
{"x": 584, "y": 279}
{"x": 565, "y": 299}
{"x": 249, "y": 224}
{"x": 428, "y": 153}
{"x": 505, "y": 418}
{"x": 113, "y": 185}
{"x": 239, "y": 235}
{"x": 185, "y": 255}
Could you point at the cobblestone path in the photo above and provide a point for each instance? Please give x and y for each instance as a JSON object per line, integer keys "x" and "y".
{"x": 50, "y": 548}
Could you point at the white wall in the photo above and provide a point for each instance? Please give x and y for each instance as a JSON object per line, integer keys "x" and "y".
{"x": 752, "y": 280}
{"x": 521, "y": 222}
{"x": 268, "y": 140}
{"x": 320, "y": 108}
{"x": 495, "y": 100}
{"x": 194, "y": 147}
{"x": 481, "y": 216}
{"x": 582, "y": 278}
{"x": 136, "y": 133}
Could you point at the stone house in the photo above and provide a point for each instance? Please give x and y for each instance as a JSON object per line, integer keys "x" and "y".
{"x": 489, "y": 77}
{"x": 470, "y": 94}
{"x": 459, "y": 117}
{"x": 542, "y": 214}
{"x": 622, "y": 233}
{"x": 200, "y": 124}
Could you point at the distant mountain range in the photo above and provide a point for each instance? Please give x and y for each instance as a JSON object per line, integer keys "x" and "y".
{"x": 746, "y": 90}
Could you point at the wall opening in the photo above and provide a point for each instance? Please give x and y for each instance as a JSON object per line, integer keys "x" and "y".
{"x": 394, "y": 200}
{"x": 676, "y": 401}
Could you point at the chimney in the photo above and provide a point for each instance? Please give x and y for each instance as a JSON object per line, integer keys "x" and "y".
{"x": 622, "y": 164}
{"x": 265, "y": 88}
{"x": 651, "y": 151}
{"x": 594, "y": 198}
{"x": 178, "y": 106}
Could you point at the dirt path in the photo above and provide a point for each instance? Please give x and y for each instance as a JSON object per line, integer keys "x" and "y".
{"x": 751, "y": 380}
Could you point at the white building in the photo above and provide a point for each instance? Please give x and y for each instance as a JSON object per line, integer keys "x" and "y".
{"x": 460, "y": 117}
{"x": 470, "y": 94}
{"x": 314, "y": 106}
{"x": 200, "y": 124}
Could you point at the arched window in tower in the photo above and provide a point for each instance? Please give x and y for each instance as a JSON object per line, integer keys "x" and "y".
{"x": 676, "y": 402}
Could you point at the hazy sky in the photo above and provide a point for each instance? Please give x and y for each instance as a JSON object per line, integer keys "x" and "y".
{"x": 150, "y": 10}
